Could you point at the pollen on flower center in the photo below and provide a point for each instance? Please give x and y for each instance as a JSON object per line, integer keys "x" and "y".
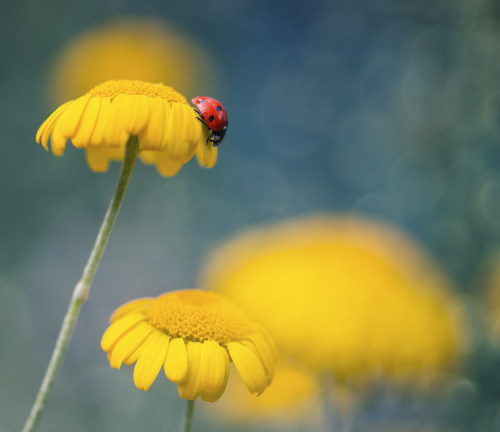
{"x": 114, "y": 88}
{"x": 198, "y": 316}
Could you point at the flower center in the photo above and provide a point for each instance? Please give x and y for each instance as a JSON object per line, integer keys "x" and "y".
{"x": 198, "y": 316}
{"x": 114, "y": 88}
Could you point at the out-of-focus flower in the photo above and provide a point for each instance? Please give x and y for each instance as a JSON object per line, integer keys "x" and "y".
{"x": 193, "y": 335}
{"x": 133, "y": 49}
{"x": 292, "y": 397}
{"x": 342, "y": 293}
{"x": 103, "y": 120}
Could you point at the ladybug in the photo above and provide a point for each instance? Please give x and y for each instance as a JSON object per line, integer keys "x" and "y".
{"x": 213, "y": 116}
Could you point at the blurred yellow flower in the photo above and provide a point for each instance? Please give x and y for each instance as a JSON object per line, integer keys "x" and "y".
{"x": 292, "y": 397}
{"x": 342, "y": 293}
{"x": 130, "y": 48}
{"x": 194, "y": 335}
{"x": 103, "y": 120}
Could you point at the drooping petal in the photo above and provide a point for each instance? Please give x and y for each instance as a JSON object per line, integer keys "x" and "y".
{"x": 206, "y": 154}
{"x": 179, "y": 147}
{"x": 47, "y": 126}
{"x": 97, "y": 158}
{"x": 190, "y": 388}
{"x": 249, "y": 367}
{"x": 176, "y": 363}
{"x": 151, "y": 359}
{"x": 214, "y": 371}
{"x": 152, "y": 137}
{"x": 70, "y": 118}
{"x": 128, "y": 343}
{"x": 102, "y": 123}
{"x": 213, "y": 366}
{"x": 165, "y": 166}
{"x": 118, "y": 328}
{"x": 133, "y": 111}
{"x": 138, "y": 305}
{"x": 264, "y": 350}
{"x": 57, "y": 141}
{"x": 115, "y": 134}
{"x": 86, "y": 126}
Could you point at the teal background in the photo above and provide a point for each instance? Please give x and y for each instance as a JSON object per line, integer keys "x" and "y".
{"x": 386, "y": 108}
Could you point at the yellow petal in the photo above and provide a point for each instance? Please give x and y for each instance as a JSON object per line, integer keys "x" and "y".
{"x": 215, "y": 372}
{"x": 57, "y": 141}
{"x": 178, "y": 146}
{"x": 134, "y": 112}
{"x": 70, "y": 118}
{"x": 87, "y": 123}
{"x": 115, "y": 134}
{"x": 165, "y": 166}
{"x": 265, "y": 351}
{"x": 128, "y": 343}
{"x": 139, "y": 305}
{"x": 97, "y": 158}
{"x": 102, "y": 123}
{"x": 152, "y": 137}
{"x": 213, "y": 366}
{"x": 151, "y": 359}
{"x": 134, "y": 356}
{"x": 249, "y": 367}
{"x": 47, "y": 126}
{"x": 176, "y": 362}
{"x": 190, "y": 388}
{"x": 118, "y": 328}
{"x": 189, "y": 126}
{"x": 206, "y": 154}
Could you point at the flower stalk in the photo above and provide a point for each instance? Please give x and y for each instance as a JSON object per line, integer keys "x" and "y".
{"x": 188, "y": 419}
{"x": 82, "y": 288}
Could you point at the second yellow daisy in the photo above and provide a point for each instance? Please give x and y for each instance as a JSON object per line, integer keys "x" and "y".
{"x": 193, "y": 335}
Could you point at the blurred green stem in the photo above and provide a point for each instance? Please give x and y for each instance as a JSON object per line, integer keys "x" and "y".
{"x": 186, "y": 425}
{"x": 82, "y": 288}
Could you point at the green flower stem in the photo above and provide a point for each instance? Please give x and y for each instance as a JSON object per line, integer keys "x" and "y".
{"x": 82, "y": 288}
{"x": 186, "y": 424}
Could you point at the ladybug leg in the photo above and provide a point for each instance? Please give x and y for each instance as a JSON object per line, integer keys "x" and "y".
{"x": 201, "y": 119}
{"x": 211, "y": 139}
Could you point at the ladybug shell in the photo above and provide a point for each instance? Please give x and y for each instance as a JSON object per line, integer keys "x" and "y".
{"x": 212, "y": 112}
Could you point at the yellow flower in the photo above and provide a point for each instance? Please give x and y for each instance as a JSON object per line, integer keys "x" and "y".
{"x": 104, "y": 119}
{"x": 130, "y": 48}
{"x": 342, "y": 293}
{"x": 194, "y": 335}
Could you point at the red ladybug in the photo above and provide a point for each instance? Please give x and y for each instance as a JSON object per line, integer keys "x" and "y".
{"x": 213, "y": 116}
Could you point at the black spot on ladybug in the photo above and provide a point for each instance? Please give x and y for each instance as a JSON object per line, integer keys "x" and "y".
{"x": 219, "y": 108}
{"x": 201, "y": 101}
{"x": 211, "y": 118}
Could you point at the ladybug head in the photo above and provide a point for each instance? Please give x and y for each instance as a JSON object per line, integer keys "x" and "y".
{"x": 197, "y": 100}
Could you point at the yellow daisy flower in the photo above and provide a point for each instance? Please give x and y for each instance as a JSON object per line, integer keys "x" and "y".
{"x": 193, "y": 335}
{"x": 105, "y": 118}
{"x": 344, "y": 294}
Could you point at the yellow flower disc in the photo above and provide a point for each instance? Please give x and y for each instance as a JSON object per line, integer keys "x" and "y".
{"x": 103, "y": 120}
{"x": 342, "y": 293}
{"x": 130, "y": 48}
{"x": 193, "y": 335}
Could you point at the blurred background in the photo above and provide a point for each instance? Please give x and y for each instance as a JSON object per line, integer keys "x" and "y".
{"x": 384, "y": 109}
